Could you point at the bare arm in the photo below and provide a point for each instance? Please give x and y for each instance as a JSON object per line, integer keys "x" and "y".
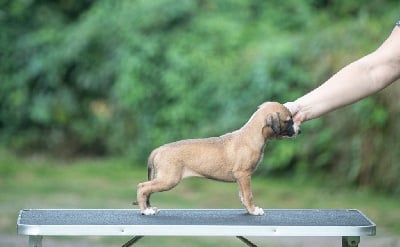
{"x": 355, "y": 81}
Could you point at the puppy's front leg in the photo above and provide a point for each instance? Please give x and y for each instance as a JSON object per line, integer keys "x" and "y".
{"x": 246, "y": 195}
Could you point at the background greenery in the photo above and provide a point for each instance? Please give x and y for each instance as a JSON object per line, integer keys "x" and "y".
{"x": 43, "y": 182}
{"x": 112, "y": 78}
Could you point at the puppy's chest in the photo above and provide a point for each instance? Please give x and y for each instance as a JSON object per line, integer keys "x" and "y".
{"x": 252, "y": 158}
{"x": 259, "y": 158}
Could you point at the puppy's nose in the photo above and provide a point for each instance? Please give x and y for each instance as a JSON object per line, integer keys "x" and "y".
{"x": 299, "y": 132}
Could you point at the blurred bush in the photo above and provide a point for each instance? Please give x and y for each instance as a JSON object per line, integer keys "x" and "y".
{"x": 122, "y": 77}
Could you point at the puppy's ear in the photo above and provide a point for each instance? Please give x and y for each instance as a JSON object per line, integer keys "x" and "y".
{"x": 273, "y": 121}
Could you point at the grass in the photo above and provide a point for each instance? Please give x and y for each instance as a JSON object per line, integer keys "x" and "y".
{"x": 42, "y": 182}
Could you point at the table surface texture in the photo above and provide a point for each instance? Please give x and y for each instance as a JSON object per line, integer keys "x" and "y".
{"x": 38, "y": 221}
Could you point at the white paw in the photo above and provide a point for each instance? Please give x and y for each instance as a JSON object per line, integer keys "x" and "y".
{"x": 150, "y": 211}
{"x": 257, "y": 211}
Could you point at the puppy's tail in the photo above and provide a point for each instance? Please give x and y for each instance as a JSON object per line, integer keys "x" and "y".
{"x": 150, "y": 166}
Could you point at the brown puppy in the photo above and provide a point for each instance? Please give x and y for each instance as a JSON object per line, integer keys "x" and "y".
{"x": 231, "y": 157}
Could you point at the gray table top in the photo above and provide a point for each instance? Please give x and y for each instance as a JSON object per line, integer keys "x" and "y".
{"x": 212, "y": 222}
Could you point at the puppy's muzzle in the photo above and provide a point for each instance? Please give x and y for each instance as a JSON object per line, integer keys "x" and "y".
{"x": 296, "y": 129}
{"x": 293, "y": 130}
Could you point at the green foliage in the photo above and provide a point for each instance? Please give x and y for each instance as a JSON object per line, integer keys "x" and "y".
{"x": 43, "y": 182}
{"x": 123, "y": 77}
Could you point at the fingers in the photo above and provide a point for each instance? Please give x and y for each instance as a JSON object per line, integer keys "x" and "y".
{"x": 298, "y": 118}
{"x": 294, "y": 108}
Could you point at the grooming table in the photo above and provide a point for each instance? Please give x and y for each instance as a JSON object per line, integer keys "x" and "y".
{"x": 350, "y": 224}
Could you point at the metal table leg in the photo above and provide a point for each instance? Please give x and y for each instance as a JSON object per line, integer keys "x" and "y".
{"x": 132, "y": 241}
{"x": 35, "y": 241}
{"x": 350, "y": 241}
{"x": 246, "y": 241}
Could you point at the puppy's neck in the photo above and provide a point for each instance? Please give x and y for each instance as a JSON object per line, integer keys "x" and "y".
{"x": 256, "y": 129}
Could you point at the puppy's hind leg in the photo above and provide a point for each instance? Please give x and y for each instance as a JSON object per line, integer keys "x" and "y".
{"x": 147, "y": 188}
{"x": 144, "y": 192}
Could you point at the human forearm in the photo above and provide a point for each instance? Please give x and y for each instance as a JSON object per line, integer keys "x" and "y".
{"x": 352, "y": 83}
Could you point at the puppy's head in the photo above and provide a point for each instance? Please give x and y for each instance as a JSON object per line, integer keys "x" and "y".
{"x": 280, "y": 120}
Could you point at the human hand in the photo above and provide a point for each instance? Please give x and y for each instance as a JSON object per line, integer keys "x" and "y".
{"x": 294, "y": 108}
